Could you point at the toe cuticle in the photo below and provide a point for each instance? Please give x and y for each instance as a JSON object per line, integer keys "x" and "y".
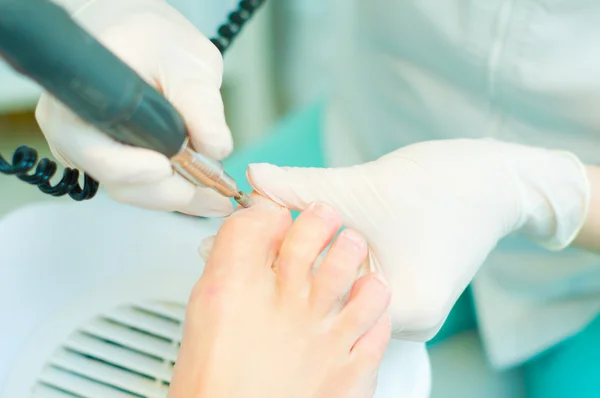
{"x": 324, "y": 211}
{"x": 353, "y": 239}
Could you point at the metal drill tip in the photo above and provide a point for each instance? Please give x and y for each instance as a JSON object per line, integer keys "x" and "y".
{"x": 243, "y": 199}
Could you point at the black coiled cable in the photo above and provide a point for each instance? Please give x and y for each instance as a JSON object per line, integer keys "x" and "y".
{"x": 235, "y": 22}
{"x": 25, "y": 159}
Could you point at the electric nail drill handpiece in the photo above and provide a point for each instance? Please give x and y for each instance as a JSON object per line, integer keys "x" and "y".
{"x": 40, "y": 40}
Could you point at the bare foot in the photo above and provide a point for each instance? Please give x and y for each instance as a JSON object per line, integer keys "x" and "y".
{"x": 262, "y": 324}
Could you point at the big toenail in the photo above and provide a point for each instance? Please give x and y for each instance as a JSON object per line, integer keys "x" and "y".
{"x": 323, "y": 211}
{"x": 352, "y": 238}
{"x": 264, "y": 203}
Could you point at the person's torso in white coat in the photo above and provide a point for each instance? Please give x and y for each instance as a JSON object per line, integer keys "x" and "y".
{"x": 526, "y": 71}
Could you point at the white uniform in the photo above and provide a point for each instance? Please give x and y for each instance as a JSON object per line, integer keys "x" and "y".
{"x": 522, "y": 71}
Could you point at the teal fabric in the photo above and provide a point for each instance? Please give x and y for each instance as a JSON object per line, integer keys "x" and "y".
{"x": 461, "y": 319}
{"x": 296, "y": 141}
{"x": 569, "y": 369}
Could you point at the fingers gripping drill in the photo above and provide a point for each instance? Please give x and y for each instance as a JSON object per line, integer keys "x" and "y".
{"x": 40, "y": 40}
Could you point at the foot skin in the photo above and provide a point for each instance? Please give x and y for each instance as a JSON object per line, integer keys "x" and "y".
{"x": 262, "y": 323}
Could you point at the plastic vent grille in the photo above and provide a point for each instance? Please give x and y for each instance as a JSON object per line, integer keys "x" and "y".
{"x": 126, "y": 353}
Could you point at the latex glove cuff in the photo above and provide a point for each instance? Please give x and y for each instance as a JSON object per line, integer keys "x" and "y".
{"x": 556, "y": 193}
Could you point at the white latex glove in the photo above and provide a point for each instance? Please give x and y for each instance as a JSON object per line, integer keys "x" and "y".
{"x": 432, "y": 212}
{"x": 172, "y": 55}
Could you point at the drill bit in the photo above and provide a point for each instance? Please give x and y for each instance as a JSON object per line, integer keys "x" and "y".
{"x": 243, "y": 199}
{"x": 205, "y": 172}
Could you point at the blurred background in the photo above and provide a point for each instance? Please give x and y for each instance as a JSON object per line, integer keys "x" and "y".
{"x": 274, "y": 66}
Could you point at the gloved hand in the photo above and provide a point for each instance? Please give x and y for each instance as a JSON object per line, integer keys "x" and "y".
{"x": 431, "y": 213}
{"x": 172, "y": 55}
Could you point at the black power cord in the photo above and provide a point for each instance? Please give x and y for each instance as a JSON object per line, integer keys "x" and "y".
{"x": 235, "y": 22}
{"x": 25, "y": 159}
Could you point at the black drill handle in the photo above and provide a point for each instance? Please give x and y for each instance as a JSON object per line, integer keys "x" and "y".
{"x": 40, "y": 40}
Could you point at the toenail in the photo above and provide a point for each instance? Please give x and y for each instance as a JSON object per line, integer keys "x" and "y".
{"x": 352, "y": 238}
{"x": 264, "y": 203}
{"x": 324, "y": 211}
